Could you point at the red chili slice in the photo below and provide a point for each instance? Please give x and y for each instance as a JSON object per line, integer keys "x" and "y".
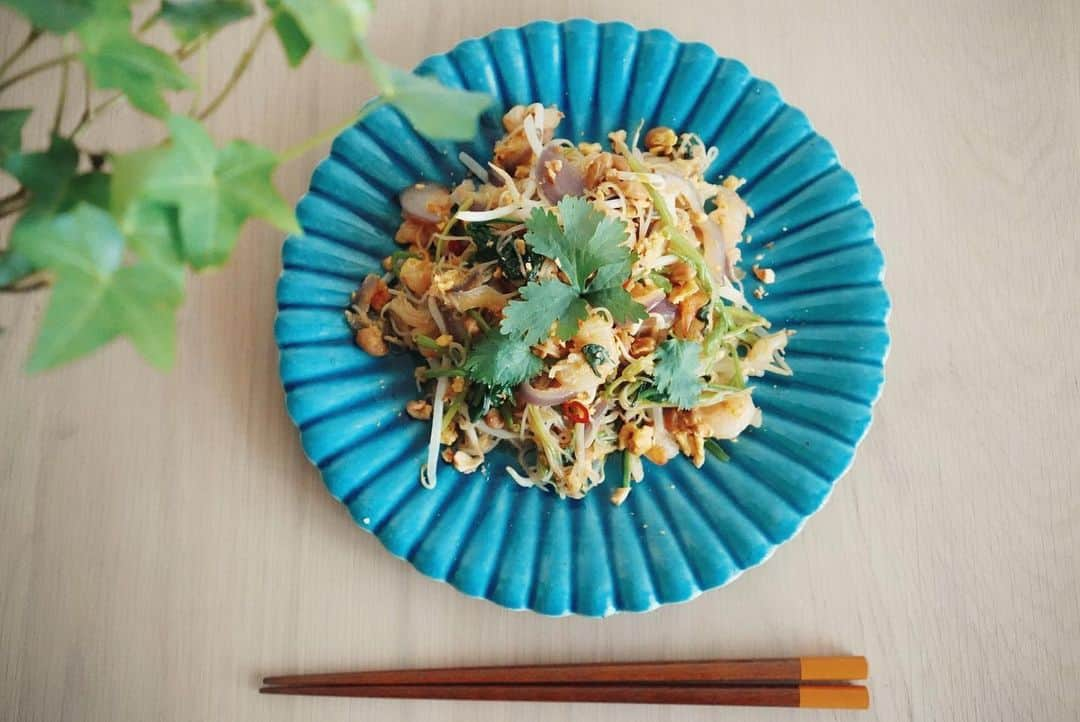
{"x": 457, "y": 246}
{"x": 575, "y": 412}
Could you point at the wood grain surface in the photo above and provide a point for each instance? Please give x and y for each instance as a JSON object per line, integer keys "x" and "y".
{"x": 164, "y": 543}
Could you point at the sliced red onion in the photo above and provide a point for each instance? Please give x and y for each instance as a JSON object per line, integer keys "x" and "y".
{"x": 418, "y": 200}
{"x": 568, "y": 181}
{"x": 545, "y": 397}
{"x": 650, "y": 299}
{"x": 666, "y": 310}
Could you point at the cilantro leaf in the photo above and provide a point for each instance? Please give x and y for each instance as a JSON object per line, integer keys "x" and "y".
{"x": 435, "y": 110}
{"x": 610, "y": 275}
{"x": 191, "y": 18}
{"x": 215, "y": 191}
{"x": 94, "y": 298}
{"x": 678, "y": 364}
{"x": 588, "y": 247}
{"x": 338, "y": 27}
{"x": 587, "y": 240}
{"x": 540, "y": 305}
{"x": 293, "y": 40}
{"x": 115, "y": 59}
{"x": 12, "y": 121}
{"x": 619, "y": 302}
{"x": 501, "y": 362}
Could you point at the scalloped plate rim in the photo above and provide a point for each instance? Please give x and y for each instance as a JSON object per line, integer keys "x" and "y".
{"x": 871, "y": 402}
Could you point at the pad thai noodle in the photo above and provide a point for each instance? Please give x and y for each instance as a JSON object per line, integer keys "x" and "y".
{"x": 573, "y": 303}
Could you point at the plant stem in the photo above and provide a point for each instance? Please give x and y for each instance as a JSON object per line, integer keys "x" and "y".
{"x": 26, "y": 284}
{"x": 35, "y": 69}
{"x": 92, "y": 113}
{"x": 62, "y": 100}
{"x": 328, "y": 134}
{"x": 238, "y": 71}
{"x": 30, "y": 39}
{"x": 204, "y": 76}
{"x": 148, "y": 23}
{"x": 14, "y": 202}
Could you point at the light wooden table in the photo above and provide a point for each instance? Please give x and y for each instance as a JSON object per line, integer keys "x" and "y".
{"x": 163, "y": 541}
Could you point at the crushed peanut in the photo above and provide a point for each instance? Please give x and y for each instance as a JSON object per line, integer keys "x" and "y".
{"x": 416, "y": 275}
{"x": 765, "y": 275}
{"x": 418, "y": 409}
{"x": 370, "y": 339}
{"x": 661, "y": 140}
{"x": 636, "y": 439}
{"x": 619, "y": 495}
{"x": 466, "y": 463}
{"x": 642, "y": 346}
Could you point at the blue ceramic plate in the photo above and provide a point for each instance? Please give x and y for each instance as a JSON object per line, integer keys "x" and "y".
{"x": 683, "y": 530}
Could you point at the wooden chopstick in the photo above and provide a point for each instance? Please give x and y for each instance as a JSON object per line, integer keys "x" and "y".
{"x": 790, "y": 695}
{"x": 756, "y": 671}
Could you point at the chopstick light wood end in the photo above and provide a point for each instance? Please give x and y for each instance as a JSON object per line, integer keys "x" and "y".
{"x": 834, "y": 697}
{"x": 831, "y": 669}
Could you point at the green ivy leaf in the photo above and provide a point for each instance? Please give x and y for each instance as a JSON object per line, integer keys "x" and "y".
{"x": 293, "y": 40}
{"x": 215, "y": 191}
{"x": 338, "y": 27}
{"x": 435, "y": 110}
{"x": 191, "y": 18}
{"x": 115, "y": 59}
{"x": 12, "y": 121}
{"x": 56, "y": 16}
{"x": 130, "y": 172}
{"x": 13, "y": 266}
{"x": 95, "y": 298}
{"x": 46, "y": 174}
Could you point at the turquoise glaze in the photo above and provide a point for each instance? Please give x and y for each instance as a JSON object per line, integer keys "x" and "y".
{"x": 683, "y": 530}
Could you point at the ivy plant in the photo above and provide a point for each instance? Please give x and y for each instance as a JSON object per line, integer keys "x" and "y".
{"x": 113, "y": 235}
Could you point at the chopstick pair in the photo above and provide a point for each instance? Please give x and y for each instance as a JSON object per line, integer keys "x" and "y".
{"x": 809, "y": 682}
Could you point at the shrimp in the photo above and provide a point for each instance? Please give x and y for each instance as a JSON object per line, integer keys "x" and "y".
{"x": 728, "y": 418}
{"x": 766, "y": 355}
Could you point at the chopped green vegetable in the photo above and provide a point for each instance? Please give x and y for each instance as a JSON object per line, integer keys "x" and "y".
{"x": 482, "y": 398}
{"x": 678, "y": 364}
{"x": 713, "y": 447}
{"x": 399, "y": 257}
{"x": 515, "y": 266}
{"x": 661, "y": 281}
{"x": 475, "y": 315}
{"x": 427, "y": 342}
{"x": 595, "y": 355}
{"x": 626, "y": 461}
